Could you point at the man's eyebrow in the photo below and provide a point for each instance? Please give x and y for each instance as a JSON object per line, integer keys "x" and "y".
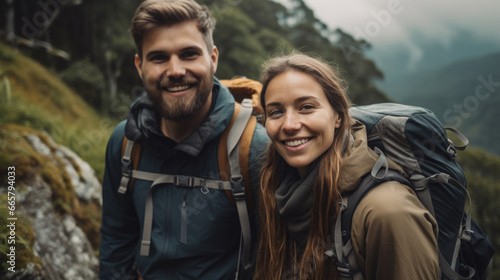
{"x": 188, "y": 48}
{"x": 192, "y": 48}
{"x": 152, "y": 53}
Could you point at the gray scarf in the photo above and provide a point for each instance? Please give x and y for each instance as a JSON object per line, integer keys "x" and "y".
{"x": 294, "y": 200}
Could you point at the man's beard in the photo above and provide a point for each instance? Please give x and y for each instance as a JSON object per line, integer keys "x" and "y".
{"x": 181, "y": 108}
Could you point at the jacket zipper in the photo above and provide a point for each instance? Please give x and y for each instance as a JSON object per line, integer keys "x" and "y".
{"x": 183, "y": 237}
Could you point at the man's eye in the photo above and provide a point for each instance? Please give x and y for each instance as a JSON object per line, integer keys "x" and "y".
{"x": 190, "y": 54}
{"x": 159, "y": 57}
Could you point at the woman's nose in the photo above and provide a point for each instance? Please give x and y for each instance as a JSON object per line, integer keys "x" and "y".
{"x": 291, "y": 123}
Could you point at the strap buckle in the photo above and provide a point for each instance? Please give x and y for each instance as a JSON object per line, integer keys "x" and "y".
{"x": 467, "y": 235}
{"x": 126, "y": 174}
{"x": 344, "y": 270}
{"x": 237, "y": 187}
{"x": 330, "y": 253}
{"x": 126, "y": 167}
{"x": 183, "y": 181}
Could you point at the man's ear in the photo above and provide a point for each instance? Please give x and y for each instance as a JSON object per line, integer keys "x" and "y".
{"x": 138, "y": 65}
{"x": 214, "y": 56}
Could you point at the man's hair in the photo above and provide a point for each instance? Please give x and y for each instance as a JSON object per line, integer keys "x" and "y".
{"x": 152, "y": 14}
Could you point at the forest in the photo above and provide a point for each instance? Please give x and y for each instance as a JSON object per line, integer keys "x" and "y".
{"x": 83, "y": 79}
{"x": 88, "y": 44}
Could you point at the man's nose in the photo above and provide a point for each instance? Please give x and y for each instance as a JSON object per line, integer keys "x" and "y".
{"x": 175, "y": 67}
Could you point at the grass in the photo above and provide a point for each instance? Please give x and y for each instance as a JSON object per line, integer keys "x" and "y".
{"x": 32, "y": 96}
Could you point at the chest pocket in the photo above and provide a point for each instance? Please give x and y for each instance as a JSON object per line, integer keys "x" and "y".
{"x": 208, "y": 220}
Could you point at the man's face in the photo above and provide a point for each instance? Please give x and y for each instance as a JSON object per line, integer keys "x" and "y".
{"x": 177, "y": 69}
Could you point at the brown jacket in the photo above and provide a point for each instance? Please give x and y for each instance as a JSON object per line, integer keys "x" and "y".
{"x": 393, "y": 235}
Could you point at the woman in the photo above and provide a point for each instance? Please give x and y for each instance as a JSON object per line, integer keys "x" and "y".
{"x": 319, "y": 153}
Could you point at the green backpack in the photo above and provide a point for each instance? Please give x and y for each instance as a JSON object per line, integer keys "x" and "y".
{"x": 416, "y": 140}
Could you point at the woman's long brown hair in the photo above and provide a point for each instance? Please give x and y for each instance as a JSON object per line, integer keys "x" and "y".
{"x": 276, "y": 258}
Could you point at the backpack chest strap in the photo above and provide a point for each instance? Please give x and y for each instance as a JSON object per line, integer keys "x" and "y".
{"x": 181, "y": 180}
{"x": 176, "y": 180}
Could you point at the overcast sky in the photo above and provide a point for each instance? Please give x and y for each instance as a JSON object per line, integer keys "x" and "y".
{"x": 415, "y": 27}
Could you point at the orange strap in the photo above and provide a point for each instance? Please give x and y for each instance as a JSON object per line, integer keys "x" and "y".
{"x": 244, "y": 153}
{"x": 135, "y": 157}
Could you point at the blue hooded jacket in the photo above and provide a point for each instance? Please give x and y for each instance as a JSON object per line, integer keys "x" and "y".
{"x": 195, "y": 235}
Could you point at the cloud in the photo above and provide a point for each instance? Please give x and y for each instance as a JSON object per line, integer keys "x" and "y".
{"x": 412, "y": 25}
{"x": 437, "y": 19}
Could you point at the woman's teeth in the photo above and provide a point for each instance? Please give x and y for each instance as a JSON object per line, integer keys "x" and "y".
{"x": 296, "y": 143}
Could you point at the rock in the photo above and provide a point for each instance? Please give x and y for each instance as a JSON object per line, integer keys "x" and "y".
{"x": 61, "y": 245}
{"x": 86, "y": 184}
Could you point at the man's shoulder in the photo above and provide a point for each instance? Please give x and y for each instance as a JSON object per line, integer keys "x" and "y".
{"x": 118, "y": 134}
{"x": 119, "y": 131}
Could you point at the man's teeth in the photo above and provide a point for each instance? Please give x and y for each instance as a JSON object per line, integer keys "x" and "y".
{"x": 295, "y": 143}
{"x": 178, "y": 88}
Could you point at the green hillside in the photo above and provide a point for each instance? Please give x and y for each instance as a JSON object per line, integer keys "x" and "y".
{"x": 483, "y": 182}
{"x": 33, "y": 101}
{"x": 463, "y": 95}
{"x": 32, "y": 96}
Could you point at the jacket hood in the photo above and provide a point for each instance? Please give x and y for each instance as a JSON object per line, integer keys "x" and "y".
{"x": 143, "y": 122}
{"x": 360, "y": 160}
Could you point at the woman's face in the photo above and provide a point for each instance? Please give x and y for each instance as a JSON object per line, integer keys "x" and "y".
{"x": 299, "y": 119}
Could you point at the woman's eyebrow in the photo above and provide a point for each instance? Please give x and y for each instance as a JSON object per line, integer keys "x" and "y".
{"x": 305, "y": 98}
{"x": 298, "y": 100}
{"x": 273, "y": 104}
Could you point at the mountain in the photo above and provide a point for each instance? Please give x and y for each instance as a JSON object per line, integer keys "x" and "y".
{"x": 399, "y": 62}
{"x": 464, "y": 94}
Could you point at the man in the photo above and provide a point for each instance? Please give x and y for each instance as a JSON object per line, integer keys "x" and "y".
{"x": 195, "y": 232}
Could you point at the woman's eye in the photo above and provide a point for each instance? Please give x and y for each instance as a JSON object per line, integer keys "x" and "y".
{"x": 274, "y": 113}
{"x": 307, "y": 107}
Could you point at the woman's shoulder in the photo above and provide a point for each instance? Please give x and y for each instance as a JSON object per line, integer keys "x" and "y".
{"x": 389, "y": 199}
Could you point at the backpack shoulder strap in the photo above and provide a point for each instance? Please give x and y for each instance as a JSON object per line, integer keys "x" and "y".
{"x": 233, "y": 157}
{"x": 245, "y": 139}
{"x": 131, "y": 154}
{"x": 341, "y": 246}
{"x": 366, "y": 185}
